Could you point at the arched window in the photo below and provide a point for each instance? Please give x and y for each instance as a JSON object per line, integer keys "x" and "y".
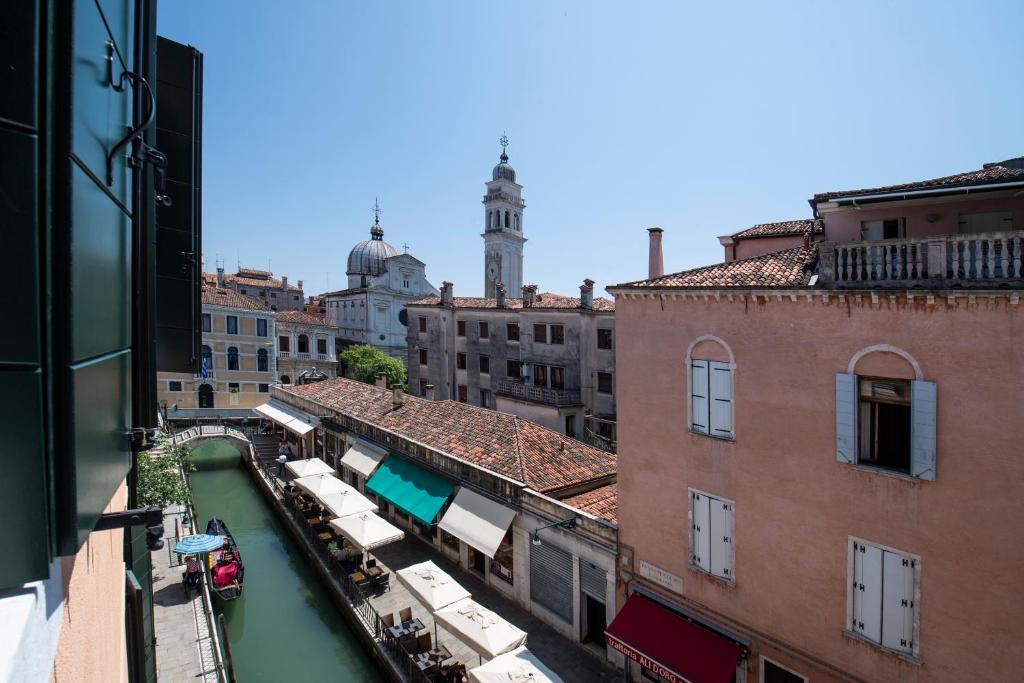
{"x": 207, "y": 358}
{"x": 711, "y": 368}
{"x": 506, "y": 218}
{"x": 303, "y": 344}
{"x": 262, "y": 361}
{"x": 515, "y": 220}
{"x": 205, "y": 396}
{"x": 232, "y": 358}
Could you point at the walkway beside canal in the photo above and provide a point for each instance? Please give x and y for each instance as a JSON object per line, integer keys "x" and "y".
{"x": 565, "y": 657}
{"x": 184, "y": 650}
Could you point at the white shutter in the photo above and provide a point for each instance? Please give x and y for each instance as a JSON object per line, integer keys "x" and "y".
{"x": 721, "y": 398}
{"x": 721, "y": 538}
{"x": 701, "y": 532}
{"x": 699, "y": 396}
{"x": 846, "y": 417}
{"x": 867, "y": 591}
{"x": 898, "y": 602}
{"x": 922, "y": 429}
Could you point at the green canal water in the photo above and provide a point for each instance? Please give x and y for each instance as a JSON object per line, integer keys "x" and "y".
{"x": 284, "y": 627}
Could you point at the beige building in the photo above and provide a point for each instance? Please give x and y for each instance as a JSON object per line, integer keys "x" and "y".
{"x": 276, "y": 294}
{"x": 305, "y": 343}
{"x": 238, "y": 356}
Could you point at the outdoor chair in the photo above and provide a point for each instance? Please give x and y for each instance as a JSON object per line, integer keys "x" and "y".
{"x": 382, "y": 583}
{"x": 388, "y": 619}
{"x": 405, "y": 614}
{"x": 370, "y": 564}
{"x": 423, "y": 642}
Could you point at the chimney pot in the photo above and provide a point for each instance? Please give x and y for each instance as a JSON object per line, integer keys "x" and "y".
{"x": 447, "y": 298}
{"x": 529, "y": 295}
{"x": 220, "y": 276}
{"x": 500, "y": 294}
{"x": 397, "y": 396}
{"x": 382, "y": 380}
{"x": 807, "y": 239}
{"x": 655, "y": 261}
{"x": 284, "y": 282}
{"x": 430, "y": 392}
{"x": 587, "y": 294}
{"x": 299, "y": 283}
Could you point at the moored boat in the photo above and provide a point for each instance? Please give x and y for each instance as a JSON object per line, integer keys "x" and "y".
{"x": 226, "y": 568}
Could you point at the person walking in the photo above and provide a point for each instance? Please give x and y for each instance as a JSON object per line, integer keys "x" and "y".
{"x": 282, "y": 458}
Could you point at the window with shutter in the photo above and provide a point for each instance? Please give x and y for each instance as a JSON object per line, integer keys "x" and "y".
{"x": 699, "y": 394}
{"x": 846, "y": 418}
{"x": 884, "y": 583}
{"x": 700, "y": 537}
{"x": 720, "y": 403}
{"x": 711, "y": 548}
{"x": 922, "y": 429}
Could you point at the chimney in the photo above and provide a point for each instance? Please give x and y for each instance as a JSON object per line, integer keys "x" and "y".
{"x": 299, "y": 283}
{"x": 529, "y": 295}
{"x": 382, "y": 380}
{"x": 655, "y": 262}
{"x": 397, "y": 396}
{"x": 310, "y": 296}
{"x": 429, "y": 393}
{"x": 446, "y": 294}
{"x": 220, "y": 276}
{"x": 587, "y": 294}
{"x": 807, "y": 239}
{"x": 500, "y": 294}
{"x": 284, "y": 282}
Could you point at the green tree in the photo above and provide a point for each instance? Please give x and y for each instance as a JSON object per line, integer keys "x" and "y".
{"x": 364, "y": 362}
{"x": 159, "y": 481}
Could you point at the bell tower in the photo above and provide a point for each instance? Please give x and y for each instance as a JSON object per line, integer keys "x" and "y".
{"x": 503, "y": 229}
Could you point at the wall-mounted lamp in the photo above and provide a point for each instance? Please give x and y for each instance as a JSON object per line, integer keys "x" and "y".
{"x": 565, "y": 524}
{"x": 932, "y": 217}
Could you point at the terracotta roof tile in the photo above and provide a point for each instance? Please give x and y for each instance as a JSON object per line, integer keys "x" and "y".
{"x": 786, "y": 269}
{"x": 268, "y": 282}
{"x": 217, "y": 296}
{"x": 602, "y": 502}
{"x": 782, "y": 229}
{"x": 990, "y": 173}
{"x": 544, "y": 300}
{"x": 300, "y": 318}
{"x": 500, "y": 442}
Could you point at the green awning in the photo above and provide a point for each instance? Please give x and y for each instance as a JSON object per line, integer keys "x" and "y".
{"x": 412, "y": 489}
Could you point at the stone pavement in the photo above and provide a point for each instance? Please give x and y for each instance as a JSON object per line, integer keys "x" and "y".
{"x": 183, "y": 646}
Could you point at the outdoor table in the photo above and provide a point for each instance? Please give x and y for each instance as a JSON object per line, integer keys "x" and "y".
{"x": 357, "y": 577}
{"x": 326, "y": 537}
{"x": 313, "y": 521}
{"x": 406, "y": 629}
{"x": 439, "y": 653}
{"x": 423, "y": 661}
{"x": 374, "y": 572}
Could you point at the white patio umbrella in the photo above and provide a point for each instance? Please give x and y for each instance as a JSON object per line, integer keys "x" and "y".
{"x": 488, "y": 634}
{"x": 518, "y": 666}
{"x": 346, "y": 502}
{"x": 431, "y": 586}
{"x": 367, "y": 531}
{"x": 319, "y": 484}
{"x": 306, "y": 468}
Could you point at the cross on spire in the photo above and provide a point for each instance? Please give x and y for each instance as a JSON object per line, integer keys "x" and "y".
{"x": 405, "y": 246}
{"x": 504, "y": 141}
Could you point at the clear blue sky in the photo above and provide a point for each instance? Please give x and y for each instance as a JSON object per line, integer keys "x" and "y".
{"x": 701, "y": 118}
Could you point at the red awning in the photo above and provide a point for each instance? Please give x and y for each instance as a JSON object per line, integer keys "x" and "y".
{"x": 670, "y": 646}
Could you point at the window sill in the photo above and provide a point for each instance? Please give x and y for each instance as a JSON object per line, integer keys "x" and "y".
{"x": 906, "y": 657}
{"x": 903, "y": 476}
{"x": 727, "y": 439}
{"x": 730, "y": 581}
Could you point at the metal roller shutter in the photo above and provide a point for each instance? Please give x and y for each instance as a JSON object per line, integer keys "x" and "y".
{"x": 593, "y": 581}
{"x": 551, "y": 579}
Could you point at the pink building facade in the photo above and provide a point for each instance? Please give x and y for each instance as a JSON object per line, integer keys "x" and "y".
{"x": 821, "y": 472}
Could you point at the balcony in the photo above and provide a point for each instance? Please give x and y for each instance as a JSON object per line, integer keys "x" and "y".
{"x": 324, "y": 357}
{"x": 526, "y": 392}
{"x": 983, "y": 260}
{"x": 284, "y": 354}
{"x": 302, "y": 356}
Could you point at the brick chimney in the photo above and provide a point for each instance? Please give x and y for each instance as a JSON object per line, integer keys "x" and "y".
{"x": 587, "y": 294}
{"x": 447, "y": 296}
{"x": 382, "y": 380}
{"x": 529, "y": 295}
{"x": 655, "y": 261}
{"x": 284, "y": 282}
{"x": 429, "y": 395}
{"x": 299, "y": 283}
{"x": 220, "y": 276}
{"x": 397, "y": 396}
{"x": 499, "y": 290}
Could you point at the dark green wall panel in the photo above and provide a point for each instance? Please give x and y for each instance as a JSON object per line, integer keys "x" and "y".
{"x": 19, "y": 62}
{"x": 101, "y": 396}
{"x": 19, "y": 245}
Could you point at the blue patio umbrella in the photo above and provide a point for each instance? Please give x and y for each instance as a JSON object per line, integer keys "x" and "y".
{"x": 199, "y": 543}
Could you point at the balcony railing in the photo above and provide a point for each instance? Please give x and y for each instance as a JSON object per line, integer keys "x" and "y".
{"x": 977, "y": 260}
{"x": 302, "y": 356}
{"x": 554, "y": 397}
{"x": 323, "y": 356}
{"x": 284, "y": 354}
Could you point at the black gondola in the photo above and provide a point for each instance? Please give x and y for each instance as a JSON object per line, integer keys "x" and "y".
{"x": 226, "y": 567}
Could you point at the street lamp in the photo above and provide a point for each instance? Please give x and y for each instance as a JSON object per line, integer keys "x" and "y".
{"x": 564, "y": 524}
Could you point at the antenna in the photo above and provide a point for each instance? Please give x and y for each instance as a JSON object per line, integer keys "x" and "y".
{"x": 376, "y": 211}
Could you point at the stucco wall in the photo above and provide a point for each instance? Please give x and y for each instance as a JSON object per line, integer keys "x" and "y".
{"x": 796, "y": 506}
{"x": 749, "y": 248}
{"x": 92, "y": 638}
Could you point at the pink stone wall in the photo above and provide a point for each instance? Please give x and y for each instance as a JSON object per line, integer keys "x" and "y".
{"x": 796, "y": 506}
{"x": 749, "y": 248}
{"x": 843, "y": 225}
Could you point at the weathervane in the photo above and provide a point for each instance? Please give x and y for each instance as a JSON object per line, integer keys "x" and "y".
{"x": 503, "y": 141}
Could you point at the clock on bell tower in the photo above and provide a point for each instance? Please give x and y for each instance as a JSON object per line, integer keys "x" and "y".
{"x": 503, "y": 229}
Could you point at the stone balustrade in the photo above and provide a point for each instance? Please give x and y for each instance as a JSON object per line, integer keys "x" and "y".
{"x": 555, "y": 397}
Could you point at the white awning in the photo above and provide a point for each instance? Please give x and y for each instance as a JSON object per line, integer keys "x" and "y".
{"x": 320, "y": 484}
{"x": 488, "y": 634}
{"x": 363, "y": 458}
{"x": 478, "y": 521}
{"x": 307, "y": 468}
{"x": 431, "y": 586}
{"x": 289, "y": 417}
{"x": 367, "y": 530}
{"x": 518, "y": 665}
{"x": 346, "y": 502}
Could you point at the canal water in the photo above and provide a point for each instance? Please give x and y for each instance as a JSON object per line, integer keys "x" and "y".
{"x": 284, "y": 627}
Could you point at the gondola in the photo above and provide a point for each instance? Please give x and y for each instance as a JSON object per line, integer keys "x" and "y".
{"x": 226, "y": 567}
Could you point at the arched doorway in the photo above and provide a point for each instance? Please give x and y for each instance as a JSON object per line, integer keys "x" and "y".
{"x": 285, "y": 379}
{"x": 205, "y": 396}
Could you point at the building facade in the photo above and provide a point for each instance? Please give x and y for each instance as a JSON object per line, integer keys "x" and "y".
{"x": 276, "y": 294}
{"x": 550, "y": 500}
{"x": 238, "y": 357}
{"x": 305, "y": 343}
{"x": 545, "y": 357}
{"x": 814, "y": 461}
{"x": 503, "y": 229}
{"x": 381, "y": 281}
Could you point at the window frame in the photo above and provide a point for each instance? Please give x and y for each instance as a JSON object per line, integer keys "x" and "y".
{"x": 265, "y": 327}
{"x": 461, "y": 360}
{"x": 508, "y": 332}
{"x": 484, "y": 330}
{"x": 519, "y": 368}
{"x": 460, "y": 328}
{"x": 423, "y": 357}
{"x": 264, "y": 388}
{"x": 171, "y": 383}
{"x": 287, "y": 346}
{"x": 207, "y": 322}
{"x": 730, "y": 577}
{"x": 610, "y": 332}
{"x": 761, "y": 669}
{"x": 238, "y": 359}
{"x": 228, "y": 319}
{"x": 864, "y": 431}
{"x": 913, "y": 654}
{"x": 691, "y": 404}
{"x": 540, "y": 326}
{"x": 264, "y": 356}
{"x": 462, "y": 393}
{"x": 611, "y": 382}
{"x": 423, "y": 324}
{"x": 484, "y": 360}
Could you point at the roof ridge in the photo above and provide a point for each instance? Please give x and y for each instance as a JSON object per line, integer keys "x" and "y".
{"x": 519, "y": 450}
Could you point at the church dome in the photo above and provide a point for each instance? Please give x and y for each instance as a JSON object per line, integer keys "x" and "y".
{"x": 369, "y": 256}
{"x": 503, "y": 171}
